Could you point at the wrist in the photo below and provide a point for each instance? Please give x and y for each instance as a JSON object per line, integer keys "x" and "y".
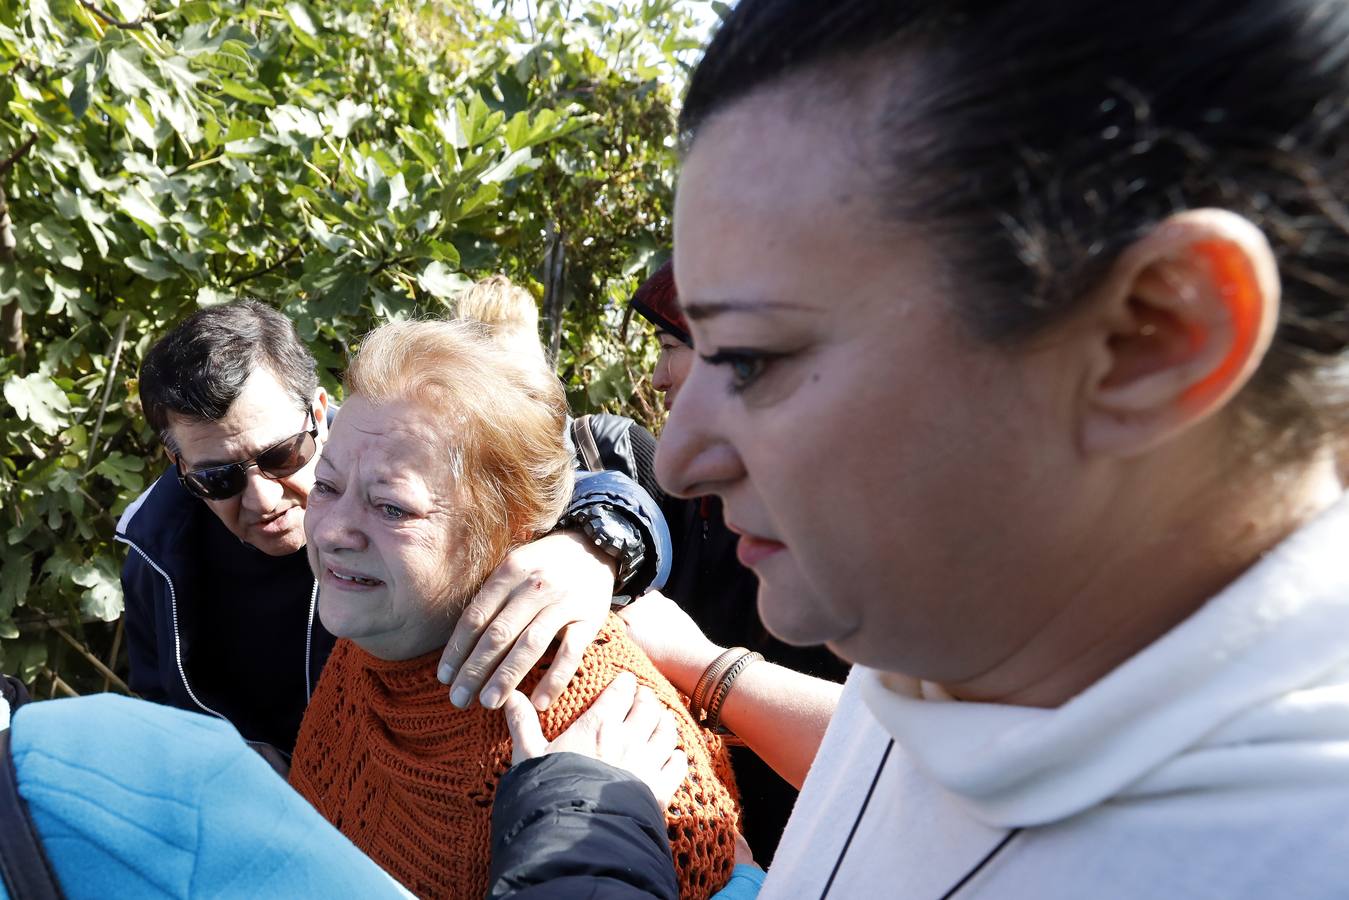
{"x": 716, "y": 683}
{"x": 612, "y": 534}
{"x": 594, "y": 551}
{"x": 685, "y": 671}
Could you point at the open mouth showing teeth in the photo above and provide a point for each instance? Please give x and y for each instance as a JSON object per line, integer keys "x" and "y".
{"x": 355, "y": 579}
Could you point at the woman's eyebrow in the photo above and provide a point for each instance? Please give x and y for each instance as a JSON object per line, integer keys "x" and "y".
{"x": 707, "y": 309}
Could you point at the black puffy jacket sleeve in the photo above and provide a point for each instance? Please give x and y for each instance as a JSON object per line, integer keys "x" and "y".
{"x": 568, "y": 826}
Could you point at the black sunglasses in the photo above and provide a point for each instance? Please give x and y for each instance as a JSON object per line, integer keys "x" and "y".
{"x": 277, "y": 461}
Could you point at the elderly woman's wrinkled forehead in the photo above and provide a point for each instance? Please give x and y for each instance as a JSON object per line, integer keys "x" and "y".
{"x": 397, "y": 439}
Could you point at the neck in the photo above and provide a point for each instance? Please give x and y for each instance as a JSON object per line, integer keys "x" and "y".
{"x": 1148, "y": 571}
{"x": 408, "y": 643}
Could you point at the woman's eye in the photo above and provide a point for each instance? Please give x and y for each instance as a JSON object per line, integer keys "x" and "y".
{"x": 322, "y": 489}
{"x": 746, "y": 366}
{"x": 746, "y": 370}
{"x": 391, "y": 512}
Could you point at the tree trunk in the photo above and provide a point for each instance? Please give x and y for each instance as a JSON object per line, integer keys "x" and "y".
{"x": 554, "y": 283}
{"x": 11, "y": 315}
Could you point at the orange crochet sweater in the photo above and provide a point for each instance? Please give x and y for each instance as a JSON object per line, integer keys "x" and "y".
{"x": 409, "y": 778}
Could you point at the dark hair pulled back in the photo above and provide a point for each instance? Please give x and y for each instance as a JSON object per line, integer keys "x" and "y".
{"x": 198, "y": 369}
{"x": 1037, "y": 139}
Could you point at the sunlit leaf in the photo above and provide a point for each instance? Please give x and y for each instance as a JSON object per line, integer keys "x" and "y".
{"x": 439, "y": 280}
{"x": 340, "y": 119}
{"x": 36, "y": 398}
{"x": 153, "y": 269}
{"x": 295, "y": 122}
{"x": 421, "y": 146}
{"x": 125, "y": 74}
{"x": 122, "y": 470}
{"x": 102, "y": 598}
{"x": 302, "y": 25}
{"x": 135, "y": 202}
{"x": 245, "y": 93}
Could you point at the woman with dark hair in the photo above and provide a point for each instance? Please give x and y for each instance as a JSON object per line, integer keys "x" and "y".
{"x": 1072, "y": 279}
{"x": 713, "y": 614}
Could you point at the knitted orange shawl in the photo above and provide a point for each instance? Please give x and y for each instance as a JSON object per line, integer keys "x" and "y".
{"x": 409, "y": 778}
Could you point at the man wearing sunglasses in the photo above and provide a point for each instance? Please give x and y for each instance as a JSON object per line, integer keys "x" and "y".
{"x": 220, "y": 602}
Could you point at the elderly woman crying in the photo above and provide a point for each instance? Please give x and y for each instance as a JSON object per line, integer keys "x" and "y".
{"x": 447, "y": 453}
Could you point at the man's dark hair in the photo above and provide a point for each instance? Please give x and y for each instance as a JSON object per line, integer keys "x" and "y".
{"x": 198, "y": 369}
{"x": 1034, "y": 140}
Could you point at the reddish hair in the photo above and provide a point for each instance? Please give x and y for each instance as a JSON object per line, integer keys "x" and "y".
{"x": 658, "y": 302}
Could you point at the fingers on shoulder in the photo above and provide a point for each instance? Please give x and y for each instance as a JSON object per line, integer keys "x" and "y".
{"x": 571, "y": 649}
{"x": 526, "y": 732}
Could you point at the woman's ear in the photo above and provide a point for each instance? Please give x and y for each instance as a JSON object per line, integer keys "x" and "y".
{"x": 319, "y": 404}
{"x": 1185, "y": 318}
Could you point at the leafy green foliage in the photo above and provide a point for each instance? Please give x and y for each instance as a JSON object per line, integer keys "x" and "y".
{"x": 350, "y": 162}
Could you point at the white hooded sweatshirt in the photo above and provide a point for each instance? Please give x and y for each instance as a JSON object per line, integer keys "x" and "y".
{"x": 1213, "y": 764}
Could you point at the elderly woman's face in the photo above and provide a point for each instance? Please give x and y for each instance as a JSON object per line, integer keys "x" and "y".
{"x": 383, "y": 541}
{"x": 903, "y": 489}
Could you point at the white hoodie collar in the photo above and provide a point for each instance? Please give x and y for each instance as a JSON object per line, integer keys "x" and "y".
{"x": 1221, "y": 677}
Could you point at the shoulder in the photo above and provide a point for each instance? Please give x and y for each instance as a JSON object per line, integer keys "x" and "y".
{"x": 629, "y": 444}
{"x": 606, "y": 426}
{"x": 161, "y": 508}
{"x": 852, "y": 717}
{"x": 627, "y": 447}
{"x": 1244, "y": 845}
{"x": 611, "y": 653}
{"x": 704, "y": 813}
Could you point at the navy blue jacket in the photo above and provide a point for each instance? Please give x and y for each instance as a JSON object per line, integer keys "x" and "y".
{"x": 180, "y": 591}
{"x": 567, "y": 826}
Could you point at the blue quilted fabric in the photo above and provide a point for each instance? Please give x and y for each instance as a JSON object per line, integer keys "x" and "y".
{"x": 133, "y": 799}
